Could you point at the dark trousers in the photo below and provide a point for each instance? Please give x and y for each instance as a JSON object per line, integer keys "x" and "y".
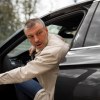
{"x": 27, "y": 90}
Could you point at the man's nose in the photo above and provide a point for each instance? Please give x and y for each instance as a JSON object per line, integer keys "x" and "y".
{"x": 36, "y": 38}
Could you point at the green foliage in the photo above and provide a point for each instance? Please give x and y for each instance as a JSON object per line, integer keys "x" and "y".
{"x": 11, "y": 14}
{"x": 9, "y": 22}
{"x": 28, "y": 8}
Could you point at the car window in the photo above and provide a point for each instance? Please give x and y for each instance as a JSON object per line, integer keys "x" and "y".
{"x": 93, "y": 35}
{"x": 25, "y": 45}
{"x": 65, "y": 25}
{"x": 62, "y": 31}
{"x": 54, "y": 29}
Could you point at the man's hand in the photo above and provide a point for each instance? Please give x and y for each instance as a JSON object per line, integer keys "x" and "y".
{"x": 31, "y": 50}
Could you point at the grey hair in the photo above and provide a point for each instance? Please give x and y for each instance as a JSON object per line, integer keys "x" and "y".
{"x": 31, "y": 22}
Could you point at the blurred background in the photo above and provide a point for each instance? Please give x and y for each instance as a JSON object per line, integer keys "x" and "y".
{"x": 14, "y": 13}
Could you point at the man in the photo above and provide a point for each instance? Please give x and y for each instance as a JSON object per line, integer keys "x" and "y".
{"x": 51, "y": 49}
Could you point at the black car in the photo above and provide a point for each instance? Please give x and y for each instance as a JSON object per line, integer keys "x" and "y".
{"x": 79, "y": 75}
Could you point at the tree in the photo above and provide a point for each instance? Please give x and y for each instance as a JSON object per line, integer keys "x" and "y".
{"x": 27, "y": 8}
{"x": 8, "y": 21}
{"x": 75, "y": 1}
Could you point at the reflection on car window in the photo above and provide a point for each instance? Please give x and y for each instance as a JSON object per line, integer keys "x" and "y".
{"x": 62, "y": 31}
{"x": 54, "y": 29}
{"x": 25, "y": 45}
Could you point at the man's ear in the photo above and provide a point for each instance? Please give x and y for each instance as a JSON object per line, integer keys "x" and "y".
{"x": 46, "y": 29}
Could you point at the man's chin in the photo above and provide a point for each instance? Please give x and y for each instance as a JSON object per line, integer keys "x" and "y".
{"x": 39, "y": 47}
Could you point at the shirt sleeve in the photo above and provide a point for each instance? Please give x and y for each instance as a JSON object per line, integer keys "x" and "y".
{"x": 48, "y": 59}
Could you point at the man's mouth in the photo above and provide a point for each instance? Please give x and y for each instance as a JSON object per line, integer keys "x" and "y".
{"x": 39, "y": 44}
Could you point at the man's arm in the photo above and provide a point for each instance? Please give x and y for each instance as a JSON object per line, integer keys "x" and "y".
{"x": 48, "y": 59}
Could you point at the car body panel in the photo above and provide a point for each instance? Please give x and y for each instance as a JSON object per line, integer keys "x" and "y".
{"x": 83, "y": 55}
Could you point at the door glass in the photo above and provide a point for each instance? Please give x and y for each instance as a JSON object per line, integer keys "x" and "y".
{"x": 54, "y": 29}
{"x": 62, "y": 31}
{"x": 25, "y": 45}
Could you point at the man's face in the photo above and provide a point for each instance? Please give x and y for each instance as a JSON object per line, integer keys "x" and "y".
{"x": 37, "y": 35}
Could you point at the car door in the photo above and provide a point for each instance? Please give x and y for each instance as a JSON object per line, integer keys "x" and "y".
{"x": 79, "y": 78}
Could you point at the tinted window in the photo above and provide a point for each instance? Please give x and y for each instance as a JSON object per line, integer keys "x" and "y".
{"x": 93, "y": 36}
{"x": 24, "y": 46}
{"x": 66, "y": 25}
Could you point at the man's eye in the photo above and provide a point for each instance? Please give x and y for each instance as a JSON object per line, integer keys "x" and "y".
{"x": 39, "y": 32}
{"x": 30, "y": 37}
